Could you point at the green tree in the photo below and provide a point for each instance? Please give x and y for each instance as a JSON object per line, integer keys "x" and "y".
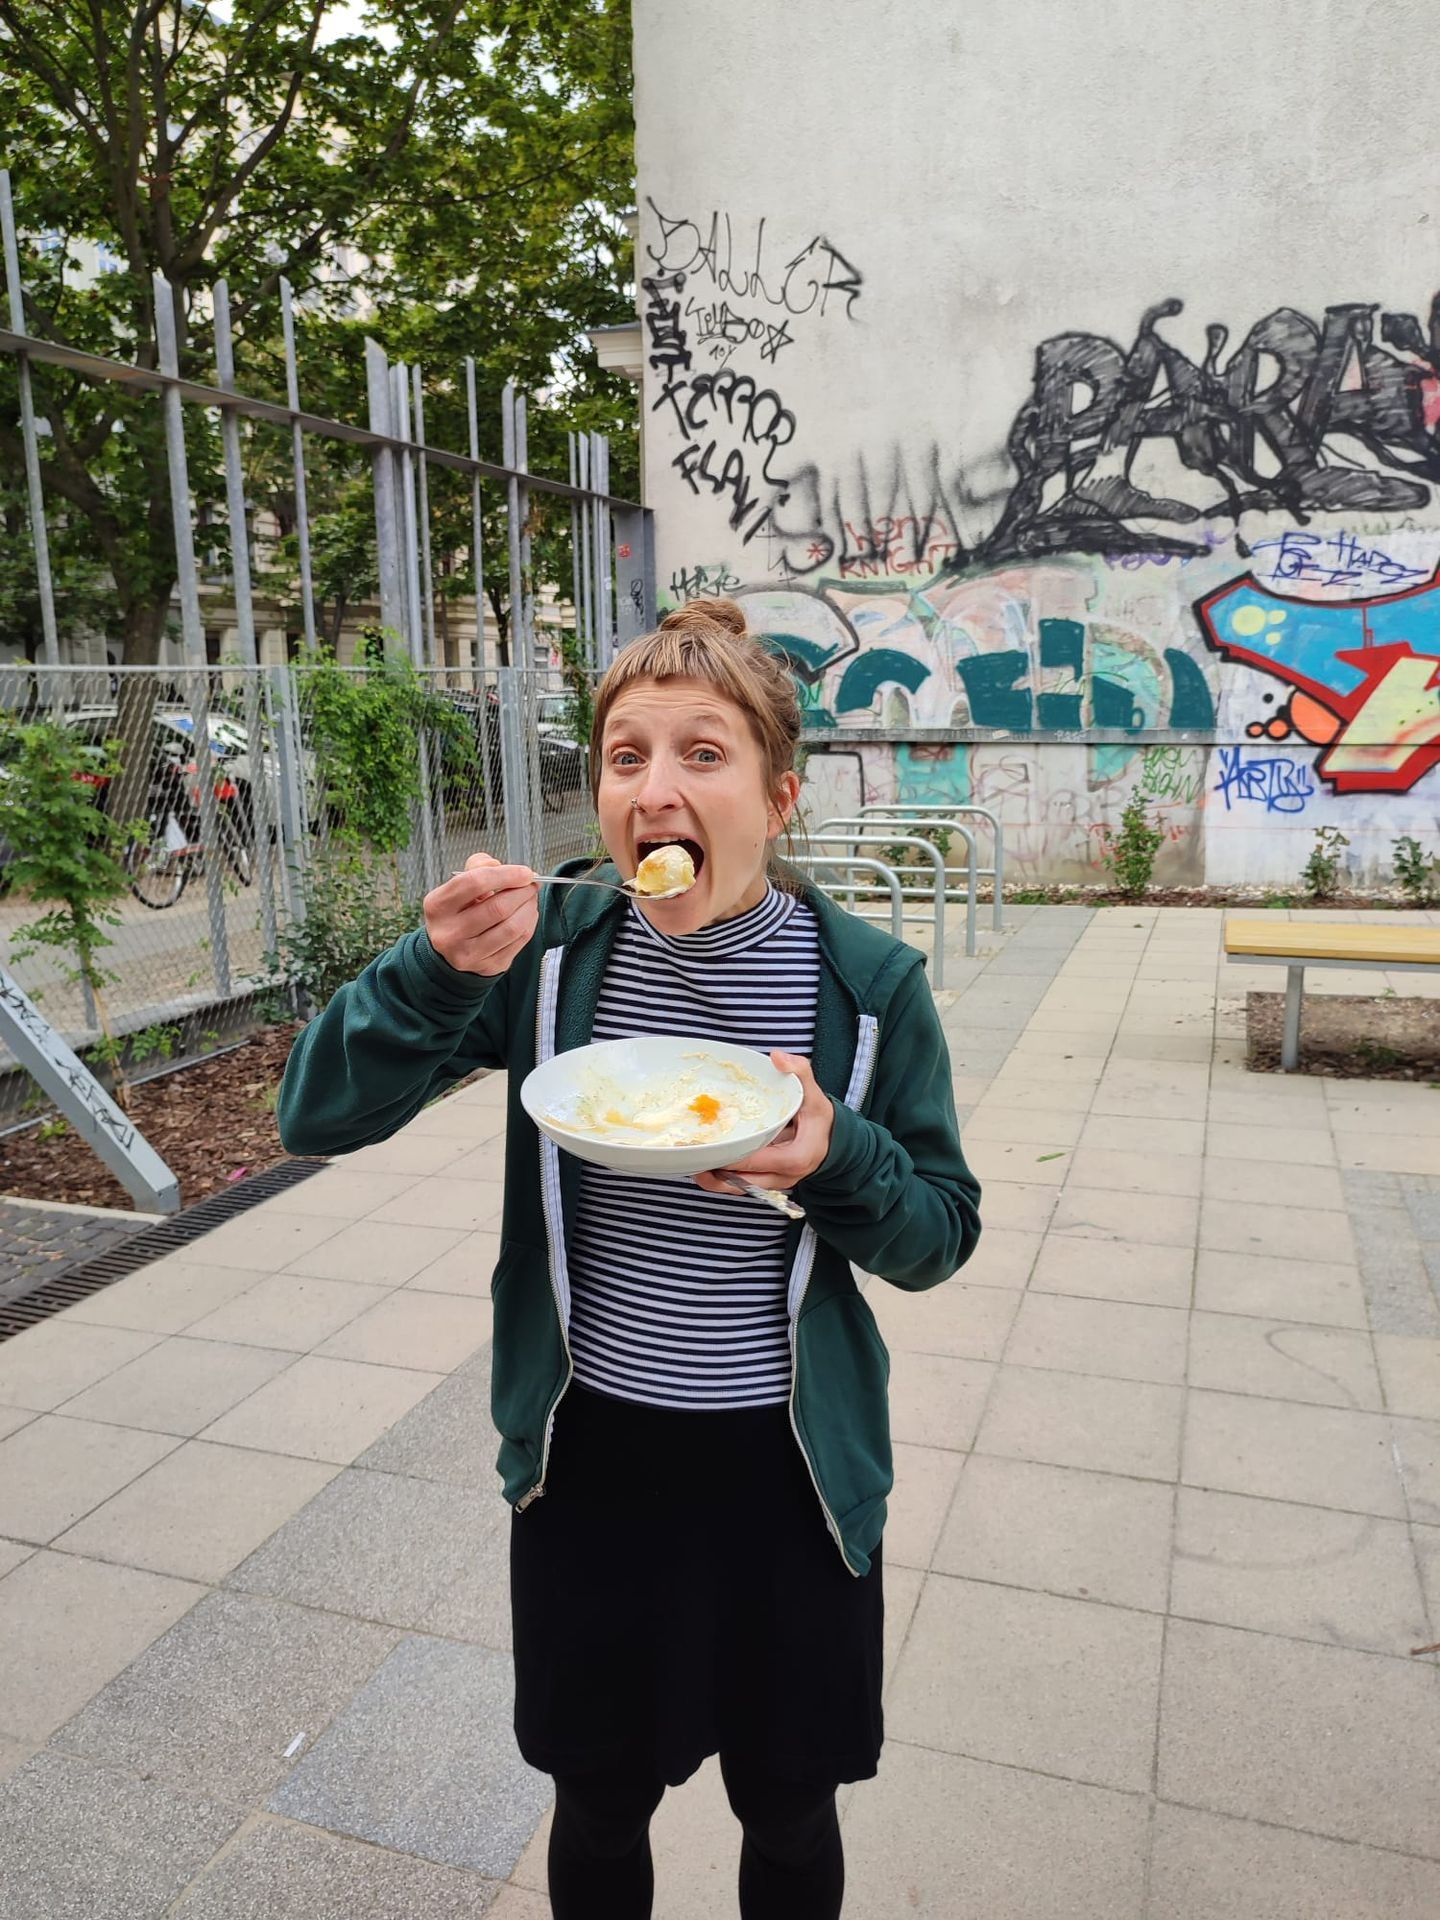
{"x": 460, "y": 166}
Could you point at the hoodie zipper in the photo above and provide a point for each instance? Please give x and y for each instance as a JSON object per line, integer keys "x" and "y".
{"x": 554, "y": 1213}
{"x": 862, "y": 1073}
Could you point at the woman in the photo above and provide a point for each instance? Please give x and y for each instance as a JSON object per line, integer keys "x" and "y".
{"x": 690, "y": 1389}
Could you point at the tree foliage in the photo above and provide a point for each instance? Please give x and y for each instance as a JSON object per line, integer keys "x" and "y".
{"x": 450, "y": 179}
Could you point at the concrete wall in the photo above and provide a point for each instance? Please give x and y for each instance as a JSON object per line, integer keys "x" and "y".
{"x": 1059, "y": 384}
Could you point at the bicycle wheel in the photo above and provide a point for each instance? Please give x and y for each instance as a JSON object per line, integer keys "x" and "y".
{"x": 239, "y": 855}
{"x": 157, "y": 873}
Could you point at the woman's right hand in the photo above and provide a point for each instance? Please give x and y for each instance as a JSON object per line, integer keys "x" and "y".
{"x": 481, "y": 918}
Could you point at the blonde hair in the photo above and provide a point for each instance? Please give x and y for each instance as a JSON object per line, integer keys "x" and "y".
{"x": 709, "y": 640}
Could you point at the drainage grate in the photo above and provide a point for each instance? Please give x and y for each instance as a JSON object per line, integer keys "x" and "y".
{"x": 152, "y": 1243}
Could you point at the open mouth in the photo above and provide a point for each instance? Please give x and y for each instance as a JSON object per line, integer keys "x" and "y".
{"x": 651, "y": 844}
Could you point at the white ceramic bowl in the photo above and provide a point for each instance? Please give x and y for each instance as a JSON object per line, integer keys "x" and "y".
{"x": 632, "y": 1066}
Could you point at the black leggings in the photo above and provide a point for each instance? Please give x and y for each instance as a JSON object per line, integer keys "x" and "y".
{"x": 791, "y": 1864}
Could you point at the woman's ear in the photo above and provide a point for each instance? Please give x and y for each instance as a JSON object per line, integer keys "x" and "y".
{"x": 782, "y": 806}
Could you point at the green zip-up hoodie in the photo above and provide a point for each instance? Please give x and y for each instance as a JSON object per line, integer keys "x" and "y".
{"x": 894, "y": 1196}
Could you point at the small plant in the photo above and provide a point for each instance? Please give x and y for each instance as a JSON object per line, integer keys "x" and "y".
{"x": 210, "y": 1039}
{"x": 1321, "y": 873}
{"x": 1417, "y": 878}
{"x": 1130, "y": 853}
{"x": 65, "y": 852}
{"x": 49, "y": 1130}
{"x": 349, "y": 917}
{"x": 579, "y": 686}
{"x": 152, "y": 1043}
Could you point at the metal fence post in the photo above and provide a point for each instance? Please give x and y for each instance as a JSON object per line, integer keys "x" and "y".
{"x": 512, "y": 519}
{"x": 34, "y": 485}
{"x": 382, "y": 466}
{"x": 409, "y": 542}
{"x": 290, "y": 781}
{"x": 427, "y": 578}
{"x": 586, "y": 600}
{"x": 527, "y": 578}
{"x": 515, "y": 759}
{"x": 297, "y": 444}
{"x": 477, "y": 528}
{"x": 261, "y": 799}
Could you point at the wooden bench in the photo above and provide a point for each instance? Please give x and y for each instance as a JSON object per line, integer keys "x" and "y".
{"x": 1297, "y": 944}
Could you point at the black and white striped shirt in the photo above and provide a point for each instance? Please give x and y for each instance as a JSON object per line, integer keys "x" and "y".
{"x": 677, "y": 1295}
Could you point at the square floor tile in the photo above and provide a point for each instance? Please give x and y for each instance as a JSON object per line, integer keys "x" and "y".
{"x": 485, "y": 1163}
{"x": 56, "y": 1469}
{"x": 343, "y": 1193}
{"x": 1339, "y": 1743}
{"x": 421, "y": 1538}
{"x": 81, "y": 1840}
{"x": 265, "y": 1238}
{"x": 1306, "y": 1146}
{"x": 323, "y": 1409}
{"x": 377, "y": 1253}
{"x": 1075, "y": 1420}
{"x": 13, "y": 1418}
{"x": 1045, "y": 1126}
{"x": 1407, "y": 1152}
{"x": 470, "y": 1206}
{"x": 1280, "y": 1450}
{"x": 1205, "y": 1866}
{"x": 215, "y": 1704}
{"x": 200, "y": 1511}
{"x": 1047, "y": 1849}
{"x": 286, "y": 1872}
{"x": 1136, "y": 1173}
{"x": 1416, "y": 1448}
{"x": 1286, "y": 1233}
{"x": 1273, "y": 1183}
{"x": 166, "y": 1297}
{"x": 1323, "y": 1293}
{"x": 1427, "y": 1554}
{"x": 179, "y": 1386}
{"x": 1146, "y": 1219}
{"x": 1033, "y": 1165}
{"x": 1410, "y": 1370}
{"x": 13, "y": 1755}
{"x": 1063, "y": 1686}
{"x": 925, "y": 1480}
{"x": 1324, "y": 1366}
{"x": 1114, "y": 1270}
{"x": 449, "y": 1436}
{"x": 1343, "y": 1579}
{"x": 49, "y": 1364}
{"x": 419, "y": 1154}
{"x": 467, "y": 1268}
{"x": 423, "y": 1760}
{"x": 434, "y": 1332}
{"x": 1004, "y": 1256}
{"x": 1107, "y": 1337}
{"x": 67, "y": 1626}
{"x": 1090, "y": 1536}
{"x": 1016, "y": 1206}
{"x": 1140, "y": 1134}
{"x": 12, "y": 1552}
{"x": 935, "y": 1401}
{"x": 289, "y": 1312}
{"x": 460, "y": 1119}
{"x": 967, "y": 1321}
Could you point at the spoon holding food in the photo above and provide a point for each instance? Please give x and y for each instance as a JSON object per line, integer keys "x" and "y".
{"x": 664, "y": 874}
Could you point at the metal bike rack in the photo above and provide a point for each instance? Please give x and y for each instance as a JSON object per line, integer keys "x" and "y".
{"x": 808, "y": 862}
{"x": 926, "y": 813}
{"x": 884, "y": 832}
{"x": 852, "y": 840}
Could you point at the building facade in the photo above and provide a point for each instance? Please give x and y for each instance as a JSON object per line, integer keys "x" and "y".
{"x": 1058, "y": 384}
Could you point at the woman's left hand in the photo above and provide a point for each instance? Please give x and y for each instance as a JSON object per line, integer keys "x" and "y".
{"x": 799, "y": 1149}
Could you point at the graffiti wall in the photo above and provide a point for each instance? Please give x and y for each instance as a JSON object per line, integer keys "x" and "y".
{"x": 1044, "y": 515}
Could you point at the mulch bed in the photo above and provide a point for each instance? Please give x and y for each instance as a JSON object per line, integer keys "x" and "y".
{"x": 1349, "y": 1036}
{"x": 1207, "y": 897}
{"x": 212, "y": 1122}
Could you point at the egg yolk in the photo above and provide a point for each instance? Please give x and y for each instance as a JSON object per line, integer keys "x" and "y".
{"x": 707, "y": 1107}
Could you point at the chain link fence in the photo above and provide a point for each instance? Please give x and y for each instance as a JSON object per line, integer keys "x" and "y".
{"x": 283, "y": 825}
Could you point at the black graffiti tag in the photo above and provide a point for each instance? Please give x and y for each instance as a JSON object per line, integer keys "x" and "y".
{"x": 1259, "y": 426}
{"x": 804, "y": 284}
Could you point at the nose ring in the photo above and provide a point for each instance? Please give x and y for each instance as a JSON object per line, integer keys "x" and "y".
{"x": 635, "y": 804}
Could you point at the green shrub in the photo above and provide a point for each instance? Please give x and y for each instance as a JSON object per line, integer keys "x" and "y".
{"x": 1321, "y": 872}
{"x": 1417, "y": 877}
{"x": 1130, "y": 853}
{"x": 351, "y": 914}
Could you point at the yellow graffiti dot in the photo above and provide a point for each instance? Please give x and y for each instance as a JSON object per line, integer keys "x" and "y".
{"x": 1277, "y": 618}
{"x": 1247, "y": 620}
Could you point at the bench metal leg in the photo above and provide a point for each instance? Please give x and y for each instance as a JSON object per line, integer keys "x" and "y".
{"x": 1294, "y": 996}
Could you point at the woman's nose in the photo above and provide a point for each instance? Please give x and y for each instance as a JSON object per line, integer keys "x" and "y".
{"x": 660, "y": 789}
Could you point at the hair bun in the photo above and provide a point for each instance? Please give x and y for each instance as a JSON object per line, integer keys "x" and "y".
{"x": 695, "y": 615}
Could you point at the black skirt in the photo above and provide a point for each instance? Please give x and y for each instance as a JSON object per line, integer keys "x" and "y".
{"x": 676, "y": 1593}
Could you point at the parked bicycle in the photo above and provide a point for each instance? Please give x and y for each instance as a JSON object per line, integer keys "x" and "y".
{"x": 160, "y": 864}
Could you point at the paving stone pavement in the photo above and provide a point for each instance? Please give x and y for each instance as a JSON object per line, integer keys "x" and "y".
{"x": 36, "y": 1243}
{"x": 1165, "y": 1531}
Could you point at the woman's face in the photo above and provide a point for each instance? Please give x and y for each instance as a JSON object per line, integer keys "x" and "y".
{"x": 680, "y": 765}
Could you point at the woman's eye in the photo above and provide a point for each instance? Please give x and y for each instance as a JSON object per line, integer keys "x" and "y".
{"x": 623, "y": 757}
{"x": 708, "y": 756}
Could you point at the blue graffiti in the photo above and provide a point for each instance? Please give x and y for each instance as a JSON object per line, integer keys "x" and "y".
{"x": 1278, "y": 784}
{"x": 1334, "y": 560}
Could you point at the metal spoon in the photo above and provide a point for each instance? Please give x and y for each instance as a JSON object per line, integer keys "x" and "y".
{"x": 772, "y": 1197}
{"x": 627, "y": 887}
